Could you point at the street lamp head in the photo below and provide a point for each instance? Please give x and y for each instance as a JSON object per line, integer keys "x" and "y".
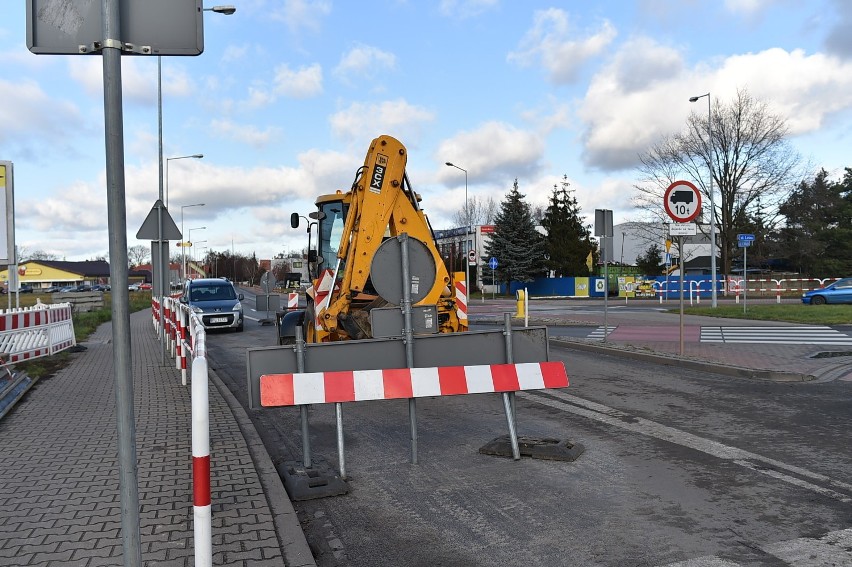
{"x": 227, "y": 10}
{"x": 450, "y": 164}
{"x": 693, "y": 98}
{"x": 197, "y": 156}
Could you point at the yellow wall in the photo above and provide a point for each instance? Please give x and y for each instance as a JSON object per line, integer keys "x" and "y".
{"x": 38, "y": 273}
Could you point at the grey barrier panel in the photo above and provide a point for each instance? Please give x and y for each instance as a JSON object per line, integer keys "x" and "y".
{"x": 529, "y": 344}
{"x": 389, "y": 322}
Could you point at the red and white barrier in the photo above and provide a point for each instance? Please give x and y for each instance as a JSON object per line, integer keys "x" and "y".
{"x": 363, "y": 385}
{"x": 292, "y": 301}
{"x": 37, "y": 331}
{"x": 180, "y": 322}
{"x": 461, "y": 301}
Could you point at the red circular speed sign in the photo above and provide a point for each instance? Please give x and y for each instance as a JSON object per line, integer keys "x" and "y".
{"x": 682, "y": 201}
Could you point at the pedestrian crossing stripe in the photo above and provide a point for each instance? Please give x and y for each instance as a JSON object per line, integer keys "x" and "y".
{"x": 811, "y": 335}
{"x": 833, "y": 548}
{"x": 598, "y": 334}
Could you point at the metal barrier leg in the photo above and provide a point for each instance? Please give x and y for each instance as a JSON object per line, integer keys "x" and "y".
{"x": 303, "y": 410}
{"x": 510, "y": 420}
{"x": 412, "y": 417}
{"x": 306, "y": 441}
{"x": 338, "y": 413}
{"x": 508, "y": 405}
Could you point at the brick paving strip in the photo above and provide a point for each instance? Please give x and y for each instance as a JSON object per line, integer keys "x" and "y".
{"x": 59, "y": 496}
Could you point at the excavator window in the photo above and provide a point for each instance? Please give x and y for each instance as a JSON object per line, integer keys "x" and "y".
{"x": 330, "y": 231}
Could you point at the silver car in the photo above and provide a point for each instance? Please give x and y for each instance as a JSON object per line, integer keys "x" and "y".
{"x": 216, "y": 302}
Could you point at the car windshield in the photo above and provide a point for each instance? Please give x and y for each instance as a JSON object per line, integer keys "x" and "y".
{"x": 212, "y": 293}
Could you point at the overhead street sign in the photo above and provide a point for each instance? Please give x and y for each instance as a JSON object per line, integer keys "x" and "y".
{"x": 148, "y": 27}
{"x": 682, "y": 201}
{"x": 745, "y": 237}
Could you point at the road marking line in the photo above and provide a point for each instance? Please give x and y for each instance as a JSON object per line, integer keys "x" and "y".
{"x": 752, "y": 461}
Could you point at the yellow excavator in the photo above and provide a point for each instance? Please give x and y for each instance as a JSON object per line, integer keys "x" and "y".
{"x": 375, "y": 250}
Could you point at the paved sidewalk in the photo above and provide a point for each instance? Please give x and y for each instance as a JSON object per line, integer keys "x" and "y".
{"x": 647, "y": 339}
{"x": 59, "y": 495}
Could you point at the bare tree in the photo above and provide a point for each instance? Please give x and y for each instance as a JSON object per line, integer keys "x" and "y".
{"x": 137, "y": 254}
{"x": 479, "y": 211}
{"x": 748, "y": 155}
{"x": 36, "y": 254}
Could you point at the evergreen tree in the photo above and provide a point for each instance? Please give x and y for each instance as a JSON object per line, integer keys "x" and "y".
{"x": 817, "y": 237}
{"x": 519, "y": 249}
{"x": 651, "y": 262}
{"x": 568, "y": 240}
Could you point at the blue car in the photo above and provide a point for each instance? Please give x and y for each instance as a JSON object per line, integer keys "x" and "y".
{"x": 838, "y": 292}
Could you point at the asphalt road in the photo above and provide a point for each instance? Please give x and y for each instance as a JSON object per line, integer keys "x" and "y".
{"x": 679, "y": 467}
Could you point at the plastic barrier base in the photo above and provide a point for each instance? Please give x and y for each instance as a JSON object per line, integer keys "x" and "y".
{"x": 546, "y": 449}
{"x": 319, "y": 481}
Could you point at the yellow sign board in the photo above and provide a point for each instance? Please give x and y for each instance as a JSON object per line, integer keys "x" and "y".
{"x": 2, "y": 176}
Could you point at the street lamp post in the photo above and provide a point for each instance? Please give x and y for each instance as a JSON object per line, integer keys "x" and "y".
{"x": 712, "y": 204}
{"x": 189, "y": 241}
{"x": 193, "y": 156}
{"x": 183, "y": 241}
{"x": 226, "y": 10}
{"x": 466, "y": 235}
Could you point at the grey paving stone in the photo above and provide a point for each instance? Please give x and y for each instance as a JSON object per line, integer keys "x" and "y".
{"x": 60, "y": 502}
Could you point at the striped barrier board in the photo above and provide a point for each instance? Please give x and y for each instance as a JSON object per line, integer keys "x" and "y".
{"x": 362, "y": 385}
{"x": 34, "y": 332}
{"x": 461, "y": 301}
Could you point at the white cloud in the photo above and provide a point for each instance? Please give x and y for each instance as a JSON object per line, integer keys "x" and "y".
{"x": 364, "y": 61}
{"x": 806, "y": 93}
{"x": 397, "y": 118}
{"x": 633, "y": 101}
{"x": 246, "y": 134}
{"x": 302, "y": 83}
{"x": 493, "y": 153}
{"x": 552, "y": 43}
{"x": 28, "y": 114}
{"x": 301, "y": 14}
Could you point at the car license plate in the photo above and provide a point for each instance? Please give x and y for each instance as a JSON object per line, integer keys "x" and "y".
{"x": 218, "y": 319}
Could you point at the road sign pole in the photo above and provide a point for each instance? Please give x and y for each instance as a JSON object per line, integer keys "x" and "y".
{"x": 745, "y": 278}
{"x": 680, "y": 253}
{"x": 117, "y": 220}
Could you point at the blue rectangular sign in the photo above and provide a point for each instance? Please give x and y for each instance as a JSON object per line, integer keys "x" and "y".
{"x": 745, "y": 237}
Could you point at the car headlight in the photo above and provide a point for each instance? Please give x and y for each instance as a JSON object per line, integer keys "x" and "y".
{"x": 237, "y": 306}
{"x": 196, "y": 309}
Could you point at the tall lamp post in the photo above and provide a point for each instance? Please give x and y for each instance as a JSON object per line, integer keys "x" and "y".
{"x": 712, "y": 204}
{"x": 189, "y": 241}
{"x": 184, "y": 240}
{"x": 226, "y": 10}
{"x": 193, "y": 156}
{"x": 466, "y": 235}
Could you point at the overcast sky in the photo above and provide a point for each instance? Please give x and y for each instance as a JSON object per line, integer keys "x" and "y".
{"x": 288, "y": 94}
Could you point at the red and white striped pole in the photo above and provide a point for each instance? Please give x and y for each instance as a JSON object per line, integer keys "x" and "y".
{"x": 461, "y": 301}
{"x": 201, "y": 503}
